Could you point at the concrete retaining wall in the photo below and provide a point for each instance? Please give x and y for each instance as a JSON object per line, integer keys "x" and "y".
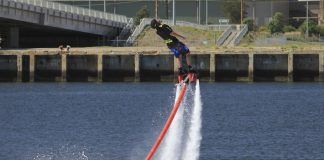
{"x": 48, "y": 68}
{"x": 156, "y": 68}
{"x": 201, "y": 63}
{"x": 306, "y": 67}
{"x": 82, "y": 68}
{"x": 270, "y": 67}
{"x": 135, "y": 67}
{"x": 8, "y": 68}
{"x": 231, "y": 67}
{"x": 118, "y": 68}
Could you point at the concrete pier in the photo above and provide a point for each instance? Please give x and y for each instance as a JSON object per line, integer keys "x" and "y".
{"x": 140, "y": 66}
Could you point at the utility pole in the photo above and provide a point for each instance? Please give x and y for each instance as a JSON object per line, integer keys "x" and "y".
{"x": 199, "y": 6}
{"x": 198, "y": 11}
{"x": 206, "y": 12}
{"x": 114, "y": 6}
{"x": 241, "y": 11}
{"x": 156, "y": 9}
{"x": 167, "y": 9}
{"x": 173, "y": 13}
{"x": 307, "y": 20}
{"x": 89, "y": 7}
{"x": 105, "y": 6}
{"x": 321, "y": 17}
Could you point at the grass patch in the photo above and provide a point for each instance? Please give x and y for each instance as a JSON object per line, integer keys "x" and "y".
{"x": 194, "y": 37}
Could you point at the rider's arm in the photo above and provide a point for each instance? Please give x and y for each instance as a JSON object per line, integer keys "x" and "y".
{"x": 177, "y": 35}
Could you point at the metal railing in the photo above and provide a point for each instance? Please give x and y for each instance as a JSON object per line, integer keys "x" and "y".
{"x": 224, "y": 36}
{"x": 75, "y": 10}
{"x": 138, "y": 30}
{"x": 240, "y": 35}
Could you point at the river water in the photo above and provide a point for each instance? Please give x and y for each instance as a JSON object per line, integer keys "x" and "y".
{"x": 120, "y": 121}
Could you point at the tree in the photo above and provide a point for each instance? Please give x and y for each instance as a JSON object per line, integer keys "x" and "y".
{"x": 277, "y": 23}
{"x": 312, "y": 27}
{"x": 232, "y": 10}
{"x": 249, "y": 23}
{"x": 142, "y": 13}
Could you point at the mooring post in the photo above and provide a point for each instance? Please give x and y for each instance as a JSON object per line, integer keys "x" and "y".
{"x": 212, "y": 67}
{"x": 19, "y": 68}
{"x": 290, "y": 67}
{"x": 137, "y": 67}
{"x": 31, "y": 67}
{"x": 99, "y": 67}
{"x": 321, "y": 67}
{"x": 251, "y": 62}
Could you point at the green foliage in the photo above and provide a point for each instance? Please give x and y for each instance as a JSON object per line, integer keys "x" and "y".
{"x": 263, "y": 29}
{"x": 320, "y": 30}
{"x": 232, "y": 10}
{"x": 277, "y": 23}
{"x": 249, "y": 22}
{"x": 311, "y": 28}
{"x": 142, "y": 13}
{"x": 289, "y": 28}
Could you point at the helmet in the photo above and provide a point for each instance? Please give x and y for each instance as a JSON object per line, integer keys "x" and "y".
{"x": 155, "y": 23}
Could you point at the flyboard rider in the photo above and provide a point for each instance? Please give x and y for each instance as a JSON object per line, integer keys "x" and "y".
{"x": 179, "y": 49}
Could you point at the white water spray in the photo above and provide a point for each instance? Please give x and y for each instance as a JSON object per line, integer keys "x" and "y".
{"x": 171, "y": 146}
{"x": 192, "y": 149}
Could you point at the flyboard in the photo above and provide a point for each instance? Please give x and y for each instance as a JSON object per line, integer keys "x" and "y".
{"x": 184, "y": 80}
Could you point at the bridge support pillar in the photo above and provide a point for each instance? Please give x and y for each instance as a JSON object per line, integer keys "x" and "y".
{"x": 19, "y": 68}
{"x": 251, "y": 62}
{"x": 212, "y": 68}
{"x": 137, "y": 68}
{"x": 321, "y": 67}
{"x": 175, "y": 69}
{"x": 31, "y": 67}
{"x": 99, "y": 67}
{"x": 63, "y": 67}
{"x": 290, "y": 67}
{"x": 13, "y": 37}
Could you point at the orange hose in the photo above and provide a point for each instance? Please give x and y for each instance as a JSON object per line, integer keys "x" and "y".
{"x": 167, "y": 124}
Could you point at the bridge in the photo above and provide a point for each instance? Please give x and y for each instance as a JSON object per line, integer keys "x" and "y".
{"x": 38, "y": 23}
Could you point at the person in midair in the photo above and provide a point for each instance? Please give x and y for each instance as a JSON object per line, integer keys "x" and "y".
{"x": 179, "y": 49}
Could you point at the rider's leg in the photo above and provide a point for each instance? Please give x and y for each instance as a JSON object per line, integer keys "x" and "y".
{"x": 179, "y": 59}
{"x": 188, "y": 58}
